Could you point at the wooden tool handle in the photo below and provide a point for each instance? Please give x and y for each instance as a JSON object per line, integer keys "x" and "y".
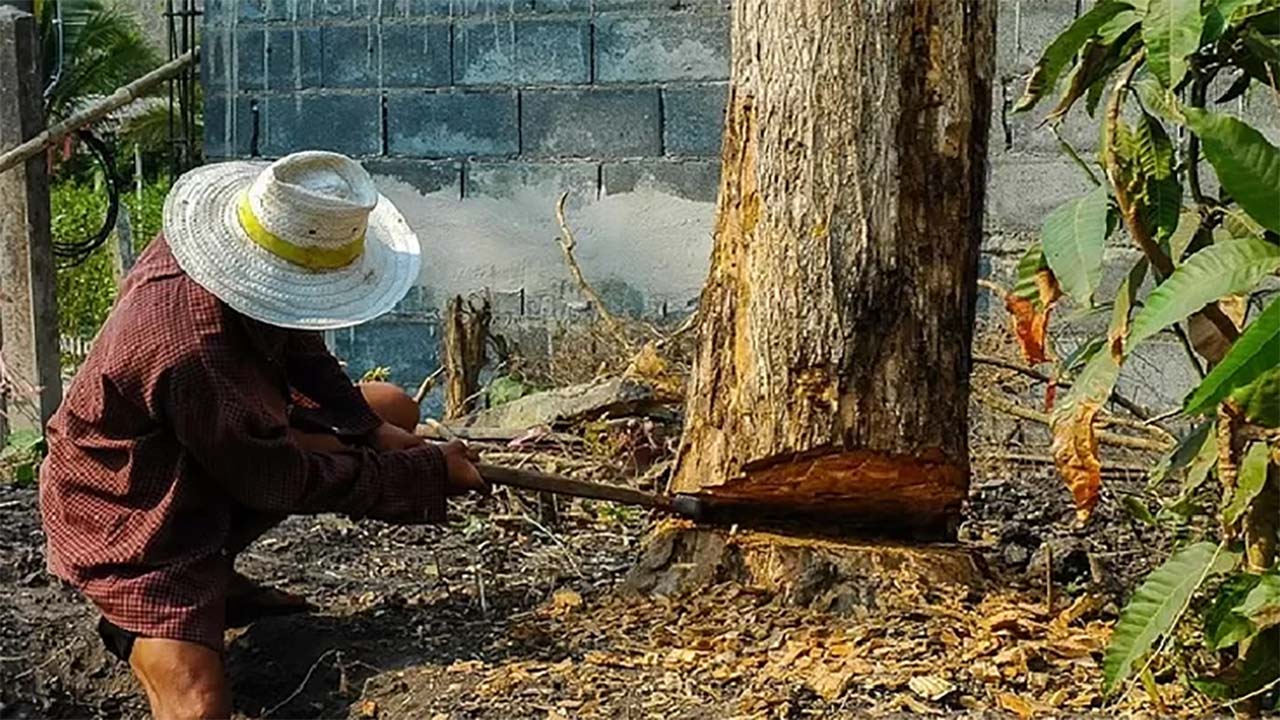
{"x": 530, "y": 480}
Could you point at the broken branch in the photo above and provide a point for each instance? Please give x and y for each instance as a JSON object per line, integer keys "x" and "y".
{"x": 567, "y": 244}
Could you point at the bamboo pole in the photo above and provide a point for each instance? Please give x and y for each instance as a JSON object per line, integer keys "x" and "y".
{"x": 116, "y": 100}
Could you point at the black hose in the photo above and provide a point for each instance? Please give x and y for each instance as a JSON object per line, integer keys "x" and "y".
{"x": 70, "y": 254}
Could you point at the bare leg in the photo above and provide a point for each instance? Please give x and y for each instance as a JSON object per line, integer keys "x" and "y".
{"x": 392, "y": 404}
{"x": 183, "y": 680}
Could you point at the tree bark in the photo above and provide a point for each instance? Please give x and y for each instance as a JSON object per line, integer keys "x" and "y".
{"x": 832, "y": 373}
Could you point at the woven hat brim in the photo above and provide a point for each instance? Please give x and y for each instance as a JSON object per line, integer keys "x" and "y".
{"x": 203, "y": 230}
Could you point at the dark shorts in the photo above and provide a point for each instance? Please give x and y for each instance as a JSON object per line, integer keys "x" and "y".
{"x": 118, "y": 641}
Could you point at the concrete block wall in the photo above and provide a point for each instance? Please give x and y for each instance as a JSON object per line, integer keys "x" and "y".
{"x": 474, "y": 115}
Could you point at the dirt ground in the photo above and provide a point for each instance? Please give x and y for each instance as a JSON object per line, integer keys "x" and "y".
{"x": 513, "y": 611}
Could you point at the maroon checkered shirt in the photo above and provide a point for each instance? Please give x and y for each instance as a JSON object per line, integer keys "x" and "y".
{"x": 177, "y": 422}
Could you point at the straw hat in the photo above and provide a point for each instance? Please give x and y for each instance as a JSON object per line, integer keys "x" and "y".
{"x": 304, "y": 242}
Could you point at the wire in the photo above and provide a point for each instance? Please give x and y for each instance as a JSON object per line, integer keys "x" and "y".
{"x": 59, "y": 56}
{"x": 70, "y": 254}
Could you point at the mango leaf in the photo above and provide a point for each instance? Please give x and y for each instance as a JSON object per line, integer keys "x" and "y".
{"x": 1073, "y": 237}
{"x": 1247, "y": 165}
{"x": 1163, "y": 192}
{"x": 1262, "y": 604}
{"x": 1090, "y": 69}
{"x": 1225, "y": 268}
{"x": 1261, "y": 665}
{"x": 1216, "y": 17}
{"x": 1237, "y": 88}
{"x": 1029, "y": 265}
{"x": 1075, "y": 442}
{"x": 1177, "y": 243}
{"x": 1259, "y": 401}
{"x": 1249, "y": 482}
{"x": 1034, "y": 294}
{"x": 1120, "y": 312}
{"x": 1158, "y": 99}
{"x": 1256, "y": 351}
{"x": 1158, "y": 604}
{"x": 1138, "y": 509}
{"x": 1112, "y": 30}
{"x": 1058, "y": 55}
{"x": 1180, "y": 458}
{"x": 1223, "y": 627}
{"x": 1171, "y": 30}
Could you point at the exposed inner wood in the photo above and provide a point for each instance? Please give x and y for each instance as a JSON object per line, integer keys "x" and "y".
{"x": 821, "y": 573}
{"x": 837, "y": 317}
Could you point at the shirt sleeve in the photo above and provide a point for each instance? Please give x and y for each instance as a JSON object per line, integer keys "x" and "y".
{"x": 246, "y": 449}
{"x": 313, "y": 371}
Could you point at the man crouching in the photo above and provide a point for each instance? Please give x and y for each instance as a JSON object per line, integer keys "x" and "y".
{"x": 209, "y": 409}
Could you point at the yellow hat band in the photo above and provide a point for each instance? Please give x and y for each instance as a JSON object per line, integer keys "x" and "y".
{"x": 313, "y": 258}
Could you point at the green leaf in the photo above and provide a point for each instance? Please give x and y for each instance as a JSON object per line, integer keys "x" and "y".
{"x": 1058, "y": 55}
{"x": 1171, "y": 30}
{"x": 1031, "y": 262}
{"x": 1247, "y": 165}
{"x": 1249, "y": 482}
{"x": 1137, "y": 509}
{"x": 1259, "y": 401}
{"x": 1256, "y": 351}
{"x": 504, "y": 389}
{"x": 1261, "y": 664}
{"x": 1183, "y": 454}
{"x": 1081, "y": 355}
{"x": 1178, "y": 242}
{"x": 1222, "y": 269}
{"x": 1093, "y": 385}
{"x": 1111, "y": 30}
{"x": 1073, "y": 237}
{"x": 1262, "y": 604}
{"x": 1157, "y": 605}
{"x": 1222, "y": 626}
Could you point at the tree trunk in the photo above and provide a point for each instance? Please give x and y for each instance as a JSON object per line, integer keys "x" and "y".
{"x": 832, "y": 373}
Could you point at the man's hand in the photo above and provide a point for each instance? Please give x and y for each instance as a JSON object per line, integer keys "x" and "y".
{"x": 388, "y": 437}
{"x": 463, "y": 476}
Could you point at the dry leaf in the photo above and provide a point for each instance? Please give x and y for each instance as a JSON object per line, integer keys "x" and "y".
{"x": 930, "y": 687}
{"x": 829, "y": 685}
{"x": 1029, "y": 327}
{"x": 564, "y": 600}
{"x": 1205, "y": 336}
{"x": 916, "y": 707}
{"x": 1075, "y": 451}
{"x": 1048, "y": 287}
{"x": 1015, "y": 705}
{"x": 368, "y": 709}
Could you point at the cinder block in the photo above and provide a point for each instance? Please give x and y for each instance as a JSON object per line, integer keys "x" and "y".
{"x": 1025, "y": 29}
{"x": 415, "y": 8}
{"x": 228, "y": 126}
{"x": 293, "y": 58}
{"x": 553, "y": 51}
{"x": 218, "y": 71}
{"x": 507, "y": 179}
{"x": 436, "y": 125}
{"x": 426, "y": 176}
{"x": 344, "y": 9}
{"x": 550, "y": 6}
{"x": 281, "y": 10}
{"x": 689, "y": 179}
{"x": 1023, "y": 189}
{"x": 251, "y": 10}
{"x": 1026, "y": 132}
{"x": 656, "y": 5}
{"x": 416, "y": 55}
{"x": 349, "y": 124}
{"x": 217, "y": 47}
{"x": 662, "y": 47}
{"x": 489, "y": 8}
{"x": 351, "y": 56}
{"x": 584, "y": 123}
{"x": 693, "y": 119}
{"x": 484, "y": 52}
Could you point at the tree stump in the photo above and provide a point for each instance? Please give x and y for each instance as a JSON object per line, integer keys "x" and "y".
{"x": 466, "y": 332}
{"x": 824, "y": 574}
